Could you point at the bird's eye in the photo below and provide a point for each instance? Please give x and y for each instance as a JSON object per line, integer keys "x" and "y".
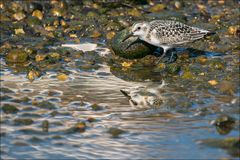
{"x": 138, "y": 28}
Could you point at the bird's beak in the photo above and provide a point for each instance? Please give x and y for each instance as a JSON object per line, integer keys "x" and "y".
{"x": 129, "y": 35}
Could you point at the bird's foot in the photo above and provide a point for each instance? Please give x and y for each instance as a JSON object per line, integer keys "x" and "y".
{"x": 171, "y": 59}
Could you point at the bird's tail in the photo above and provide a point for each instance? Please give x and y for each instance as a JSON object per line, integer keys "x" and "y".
{"x": 200, "y": 33}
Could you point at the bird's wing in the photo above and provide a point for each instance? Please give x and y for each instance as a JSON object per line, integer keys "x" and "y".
{"x": 171, "y": 32}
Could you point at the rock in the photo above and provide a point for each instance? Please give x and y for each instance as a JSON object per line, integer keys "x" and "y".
{"x": 96, "y": 107}
{"x": 213, "y": 82}
{"x": 23, "y": 121}
{"x": 62, "y": 77}
{"x": 202, "y": 60}
{"x": 33, "y": 74}
{"x": 19, "y": 31}
{"x": 5, "y": 97}
{"x": 217, "y": 65}
{"x": 232, "y": 29}
{"x": 227, "y": 87}
{"x": 188, "y": 75}
{"x": 15, "y": 6}
{"x": 9, "y": 109}
{"x": 224, "y": 124}
{"x": 5, "y": 90}
{"x": 231, "y": 144}
{"x": 134, "y": 12}
{"x": 31, "y": 6}
{"x": 19, "y": 16}
{"x": 37, "y": 14}
{"x": 95, "y": 34}
{"x": 138, "y": 49}
{"x": 78, "y": 127}
{"x": 40, "y": 57}
{"x": 115, "y": 132}
{"x": 110, "y": 35}
{"x": 178, "y": 5}
{"x": 45, "y": 126}
{"x": 127, "y": 64}
{"x": 58, "y": 12}
{"x": 53, "y": 57}
{"x": 91, "y": 119}
{"x": 157, "y": 8}
{"x": 17, "y": 56}
{"x": 46, "y": 105}
{"x": 33, "y": 21}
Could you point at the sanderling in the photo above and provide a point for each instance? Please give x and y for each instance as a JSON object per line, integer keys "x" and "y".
{"x": 166, "y": 34}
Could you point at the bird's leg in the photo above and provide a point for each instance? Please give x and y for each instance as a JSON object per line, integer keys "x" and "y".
{"x": 161, "y": 57}
{"x": 171, "y": 57}
{"x": 173, "y": 52}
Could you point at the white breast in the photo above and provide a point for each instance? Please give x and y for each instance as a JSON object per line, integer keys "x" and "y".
{"x": 152, "y": 39}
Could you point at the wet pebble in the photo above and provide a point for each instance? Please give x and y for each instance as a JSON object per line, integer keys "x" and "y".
{"x": 58, "y": 12}
{"x": 38, "y": 14}
{"x": 96, "y": 107}
{"x": 17, "y": 56}
{"x": 19, "y": 16}
{"x": 35, "y": 140}
{"x": 33, "y": 74}
{"x": 62, "y": 77}
{"x": 157, "y": 8}
{"x": 19, "y": 31}
{"x": 91, "y": 119}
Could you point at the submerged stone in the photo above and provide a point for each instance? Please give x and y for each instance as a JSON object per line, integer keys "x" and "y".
{"x": 5, "y": 90}
{"x": 231, "y": 144}
{"x": 115, "y": 132}
{"x": 23, "y": 121}
{"x": 224, "y": 124}
{"x": 78, "y": 127}
{"x": 45, "y": 126}
{"x": 46, "y": 105}
{"x": 9, "y": 109}
{"x": 131, "y": 48}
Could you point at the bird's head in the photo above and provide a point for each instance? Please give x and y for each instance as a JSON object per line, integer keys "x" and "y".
{"x": 138, "y": 29}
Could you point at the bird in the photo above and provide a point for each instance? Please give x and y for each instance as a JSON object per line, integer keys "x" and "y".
{"x": 166, "y": 34}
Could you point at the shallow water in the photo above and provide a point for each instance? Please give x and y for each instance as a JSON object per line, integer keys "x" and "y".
{"x": 171, "y": 131}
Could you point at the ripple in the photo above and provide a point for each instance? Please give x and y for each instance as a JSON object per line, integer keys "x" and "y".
{"x": 26, "y": 90}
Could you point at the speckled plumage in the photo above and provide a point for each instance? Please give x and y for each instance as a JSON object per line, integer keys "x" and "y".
{"x": 172, "y": 33}
{"x": 166, "y": 33}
